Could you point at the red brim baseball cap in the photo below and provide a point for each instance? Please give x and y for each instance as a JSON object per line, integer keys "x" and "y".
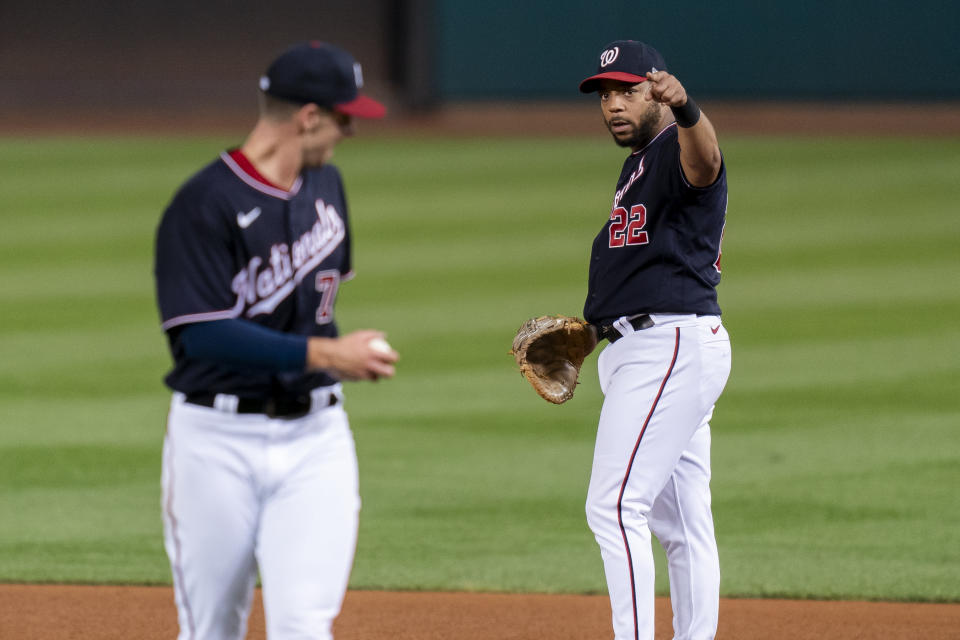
{"x": 321, "y": 73}
{"x": 362, "y": 107}
{"x": 624, "y": 61}
{"x": 590, "y": 84}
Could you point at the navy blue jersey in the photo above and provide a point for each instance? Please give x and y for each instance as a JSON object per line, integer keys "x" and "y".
{"x": 231, "y": 245}
{"x": 659, "y": 251}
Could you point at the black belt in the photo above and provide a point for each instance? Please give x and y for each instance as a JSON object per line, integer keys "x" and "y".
{"x": 639, "y": 323}
{"x": 279, "y": 407}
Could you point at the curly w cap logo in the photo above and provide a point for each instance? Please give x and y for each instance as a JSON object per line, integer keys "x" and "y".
{"x": 608, "y": 56}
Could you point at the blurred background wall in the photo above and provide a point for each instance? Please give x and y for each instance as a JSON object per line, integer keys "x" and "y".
{"x": 884, "y": 49}
{"x": 109, "y": 56}
{"x": 164, "y": 54}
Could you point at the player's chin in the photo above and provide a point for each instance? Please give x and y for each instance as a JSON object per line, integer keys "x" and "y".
{"x": 317, "y": 157}
{"x": 623, "y": 135}
{"x": 625, "y": 139}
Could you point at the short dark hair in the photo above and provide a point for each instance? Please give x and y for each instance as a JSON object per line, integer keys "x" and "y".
{"x": 277, "y": 109}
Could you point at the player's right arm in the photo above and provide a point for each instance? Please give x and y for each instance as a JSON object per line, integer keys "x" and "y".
{"x": 699, "y": 150}
{"x": 240, "y": 343}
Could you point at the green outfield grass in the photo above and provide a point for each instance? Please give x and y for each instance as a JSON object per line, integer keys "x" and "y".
{"x": 836, "y": 444}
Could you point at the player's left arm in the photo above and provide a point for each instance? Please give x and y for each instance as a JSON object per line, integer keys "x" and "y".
{"x": 699, "y": 150}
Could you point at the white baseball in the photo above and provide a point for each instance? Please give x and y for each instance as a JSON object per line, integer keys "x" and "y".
{"x": 381, "y": 345}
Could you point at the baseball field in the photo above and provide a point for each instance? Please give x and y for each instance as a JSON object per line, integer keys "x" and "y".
{"x": 836, "y": 444}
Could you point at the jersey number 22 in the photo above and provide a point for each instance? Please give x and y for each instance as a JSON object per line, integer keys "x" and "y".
{"x": 627, "y": 229}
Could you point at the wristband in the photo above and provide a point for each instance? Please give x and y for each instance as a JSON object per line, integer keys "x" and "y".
{"x": 687, "y": 115}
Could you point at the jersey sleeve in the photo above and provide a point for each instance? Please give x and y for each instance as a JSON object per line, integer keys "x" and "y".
{"x": 194, "y": 264}
{"x": 679, "y": 179}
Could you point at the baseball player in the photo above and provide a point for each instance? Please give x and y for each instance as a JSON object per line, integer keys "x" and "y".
{"x": 259, "y": 466}
{"x": 653, "y": 274}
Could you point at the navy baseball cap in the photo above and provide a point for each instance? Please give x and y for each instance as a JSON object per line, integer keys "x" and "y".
{"x": 323, "y": 74}
{"x": 626, "y": 61}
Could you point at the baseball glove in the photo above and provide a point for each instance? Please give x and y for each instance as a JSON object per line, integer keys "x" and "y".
{"x": 550, "y": 351}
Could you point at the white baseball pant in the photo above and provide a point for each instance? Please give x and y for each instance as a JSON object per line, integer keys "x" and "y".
{"x": 243, "y": 492}
{"x": 651, "y": 471}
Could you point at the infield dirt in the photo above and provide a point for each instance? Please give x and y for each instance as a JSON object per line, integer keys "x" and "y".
{"x": 45, "y": 612}
{"x": 539, "y": 119}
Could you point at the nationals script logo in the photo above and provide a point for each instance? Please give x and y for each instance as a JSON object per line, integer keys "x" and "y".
{"x": 633, "y": 178}
{"x": 608, "y": 56}
{"x": 261, "y": 286}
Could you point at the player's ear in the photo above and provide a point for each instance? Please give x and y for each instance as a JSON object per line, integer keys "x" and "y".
{"x": 308, "y": 117}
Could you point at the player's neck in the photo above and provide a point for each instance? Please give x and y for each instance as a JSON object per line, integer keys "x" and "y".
{"x": 277, "y": 157}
